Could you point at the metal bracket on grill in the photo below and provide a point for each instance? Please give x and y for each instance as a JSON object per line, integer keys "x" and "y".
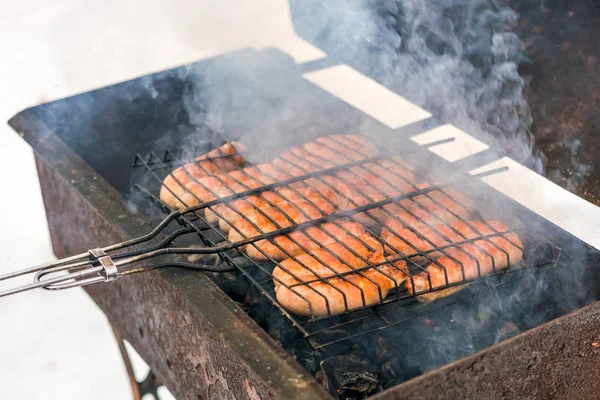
{"x": 109, "y": 268}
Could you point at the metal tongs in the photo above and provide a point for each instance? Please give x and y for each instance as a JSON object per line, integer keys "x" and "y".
{"x": 107, "y": 263}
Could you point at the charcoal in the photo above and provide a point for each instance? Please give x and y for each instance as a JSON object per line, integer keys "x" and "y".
{"x": 336, "y": 340}
{"x": 346, "y": 378}
{"x": 305, "y": 355}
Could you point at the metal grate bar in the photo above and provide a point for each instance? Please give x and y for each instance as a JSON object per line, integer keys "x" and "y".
{"x": 298, "y": 170}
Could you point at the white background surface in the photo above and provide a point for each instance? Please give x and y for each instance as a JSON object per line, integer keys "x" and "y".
{"x": 59, "y": 345}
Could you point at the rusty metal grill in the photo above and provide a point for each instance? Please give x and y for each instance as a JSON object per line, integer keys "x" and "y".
{"x": 398, "y": 187}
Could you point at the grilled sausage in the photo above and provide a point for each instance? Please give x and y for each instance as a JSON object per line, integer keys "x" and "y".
{"x": 340, "y": 148}
{"x": 270, "y": 219}
{"x": 342, "y": 190}
{"x": 213, "y": 187}
{"x": 223, "y": 185}
{"x": 308, "y": 285}
{"x": 230, "y": 213}
{"x": 367, "y": 183}
{"x": 388, "y": 177}
{"x": 311, "y": 263}
{"x": 337, "y": 191}
{"x": 347, "y": 149}
{"x": 374, "y": 182}
{"x": 325, "y": 152}
{"x": 223, "y": 159}
{"x": 217, "y": 186}
{"x": 420, "y": 237}
{"x": 326, "y": 235}
{"x": 445, "y": 205}
{"x": 476, "y": 259}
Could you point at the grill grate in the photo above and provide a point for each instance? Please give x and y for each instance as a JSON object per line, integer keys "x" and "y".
{"x": 396, "y": 187}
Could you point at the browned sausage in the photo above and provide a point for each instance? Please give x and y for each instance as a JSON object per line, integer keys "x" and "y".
{"x": 231, "y": 212}
{"x": 213, "y": 187}
{"x": 217, "y": 186}
{"x": 374, "y": 182}
{"x": 445, "y": 205}
{"x": 476, "y": 259}
{"x": 308, "y": 285}
{"x": 312, "y": 238}
{"x": 270, "y": 219}
{"x": 325, "y": 152}
{"x": 367, "y": 183}
{"x": 223, "y": 159}
{"x": 423, "y": 238}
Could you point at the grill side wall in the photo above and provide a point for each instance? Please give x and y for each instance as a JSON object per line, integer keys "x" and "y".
{"x": 181, "y": 348}
{"x": 557, "y": 360}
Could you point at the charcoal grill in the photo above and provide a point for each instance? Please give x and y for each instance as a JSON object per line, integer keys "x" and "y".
{"x": 200, "y": 342}
{"x": 542, "y": 251}
{"x": 109, "y": 263}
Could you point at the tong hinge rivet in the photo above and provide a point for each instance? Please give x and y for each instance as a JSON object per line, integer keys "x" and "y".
{"x": 108, "y": 265}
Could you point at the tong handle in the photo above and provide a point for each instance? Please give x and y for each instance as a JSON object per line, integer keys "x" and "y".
{"x": 79, "y": 270}
{"x": 96, "y": 266}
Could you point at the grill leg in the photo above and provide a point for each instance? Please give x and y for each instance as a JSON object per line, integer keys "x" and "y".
{"x": 149, "y": 385}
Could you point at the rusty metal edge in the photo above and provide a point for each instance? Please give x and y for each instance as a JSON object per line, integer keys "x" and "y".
{"x": 278, "y": 371}
{"x": 557, "y": 360}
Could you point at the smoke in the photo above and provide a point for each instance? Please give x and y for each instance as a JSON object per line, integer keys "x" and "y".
{"x": 456, "y": 58}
